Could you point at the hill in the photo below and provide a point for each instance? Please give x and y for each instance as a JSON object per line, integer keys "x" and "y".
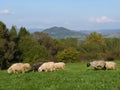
{"x": 61, "y": 32}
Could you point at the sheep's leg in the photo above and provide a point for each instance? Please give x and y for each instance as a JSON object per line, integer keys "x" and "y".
{"x": 16, "y": 71}
{"x": 23, "y": 71}
{"x": 63, "y": 68}
{"x": 45, "y": 70}
{"x": 104, "y": 68}
{"x": 54, "y": 69}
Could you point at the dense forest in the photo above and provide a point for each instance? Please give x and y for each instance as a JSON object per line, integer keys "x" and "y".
{"x": 23, "y": 46}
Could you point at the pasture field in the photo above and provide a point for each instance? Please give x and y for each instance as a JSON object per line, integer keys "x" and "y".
{"x": 76, "y": 77}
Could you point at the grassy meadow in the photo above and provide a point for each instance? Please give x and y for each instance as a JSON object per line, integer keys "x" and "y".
{"x": 76, "y": 77}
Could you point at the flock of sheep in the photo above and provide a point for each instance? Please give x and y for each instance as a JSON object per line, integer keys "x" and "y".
{"x": 40, "y": 66}
{"x": 52, "y": 66}
{"x": 101, "y": 64}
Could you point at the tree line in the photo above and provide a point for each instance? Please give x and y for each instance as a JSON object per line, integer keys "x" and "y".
{"x": 23, "y": 46}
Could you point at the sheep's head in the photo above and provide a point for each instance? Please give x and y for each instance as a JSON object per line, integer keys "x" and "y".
{"x": 88, "y": 64}
{"x": 27, "y": 66}
{"x": 34, "y": 68}
{"x": 9, "y": 70}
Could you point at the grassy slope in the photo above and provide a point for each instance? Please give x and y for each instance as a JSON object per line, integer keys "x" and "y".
{"x": 76, "y": 77}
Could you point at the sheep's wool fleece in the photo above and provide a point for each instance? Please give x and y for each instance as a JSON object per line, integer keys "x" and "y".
{"x": 97, "y": 63}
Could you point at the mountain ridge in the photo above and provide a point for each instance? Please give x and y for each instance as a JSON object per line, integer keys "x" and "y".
{"x": 62, "y": 32}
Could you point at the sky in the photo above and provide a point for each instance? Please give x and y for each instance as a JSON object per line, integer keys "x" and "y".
{"x": 71, "y": 14}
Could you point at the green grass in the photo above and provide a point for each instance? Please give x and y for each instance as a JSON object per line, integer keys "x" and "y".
{"x": 76, "y": 77}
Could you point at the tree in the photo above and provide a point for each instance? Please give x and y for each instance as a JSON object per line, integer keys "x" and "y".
{"x": 7, "y": 47}
{"x": 112, "y": 48}
{"x": 3, "y": 44}
{"x": 14, "y": 44}
{"x": 13, "y": 34}
{"x": 94, "y": 46}
{"x": 95, "y": 38}
{"x": 49, "y": 43}
{"x": 68, "y": 55}
{"x": 23, "y": 32}
{"x": 71, "y": 42}
{"x": 30, "y": 49}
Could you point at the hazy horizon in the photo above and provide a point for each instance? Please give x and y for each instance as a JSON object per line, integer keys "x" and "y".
{"x": 75, "y": 15}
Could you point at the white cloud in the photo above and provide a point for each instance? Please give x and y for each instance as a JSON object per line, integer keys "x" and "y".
{"x": 6, "y": 12}
{"x": 102, "y": 19}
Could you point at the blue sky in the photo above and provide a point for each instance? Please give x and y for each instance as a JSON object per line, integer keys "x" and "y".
{"x": 72, "y": 14}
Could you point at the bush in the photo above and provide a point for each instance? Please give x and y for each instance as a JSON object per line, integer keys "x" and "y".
{"x": 68, "y": 55}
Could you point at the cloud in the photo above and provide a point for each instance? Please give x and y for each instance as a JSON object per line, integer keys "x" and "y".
{"x": 6, "y": 12}
{"x": 102, "y": 19}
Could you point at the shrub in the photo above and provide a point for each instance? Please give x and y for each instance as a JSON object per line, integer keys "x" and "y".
{"x": 68, "y": 55}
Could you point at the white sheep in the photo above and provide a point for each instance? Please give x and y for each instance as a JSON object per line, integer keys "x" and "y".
{"x": 18, "y": 67}
{"x": 59, "y": 65}
{"x": 26, "y": 66}
{"x": 48, "y": 66}
{"x": 110, "y": 65}
{"x": 100, "y": 64}
{"x": 15, "y": 68}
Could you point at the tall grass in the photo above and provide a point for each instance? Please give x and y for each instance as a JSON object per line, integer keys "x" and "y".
{"x": 76, "y": 77}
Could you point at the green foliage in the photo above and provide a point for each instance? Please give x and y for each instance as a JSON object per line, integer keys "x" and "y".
{"x": 68, "y": 55}
{"x": 93, "y": 51}
{"x": 30, "y": 49}
{"x": 95, "y": 38}
{"x": 51, "y": 45}
{"x": 113, "y": 44}
{"x": 39, "y": 46}
{"x": 7, "y": 46}
{"x": 71, "y": 42}
{"x": 93, "y": 47}
{"x": 3, "y": 31}
{"x": 23, "y": 32}
{"x": 13, "y": 33}
{"x": 112, "y": 48}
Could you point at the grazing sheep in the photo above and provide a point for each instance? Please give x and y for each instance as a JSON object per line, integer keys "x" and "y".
{"x": 48, "y": 66}
{"x": 110, "y": 65}
{"x": 18, "y": 67}
{"x": 35, "y": 66}
{"x": 15, "y": 68}
{"x": 100, "y": 64}
{"x": 26, "y": 66}
{"x": 59, "y": 65}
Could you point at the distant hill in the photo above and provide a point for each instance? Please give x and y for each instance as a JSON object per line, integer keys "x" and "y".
{"x": 107, "y": 33}
{"x": 61, "y": 32}
{"x": 112, "y": 33}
